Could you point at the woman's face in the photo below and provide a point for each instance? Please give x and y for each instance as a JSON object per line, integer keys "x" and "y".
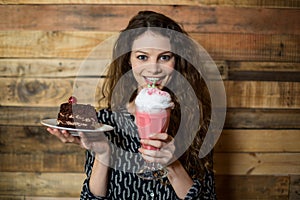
{"x": 152, "y": 60}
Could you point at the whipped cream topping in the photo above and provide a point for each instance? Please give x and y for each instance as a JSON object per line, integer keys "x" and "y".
{"x": 150, "y": 99}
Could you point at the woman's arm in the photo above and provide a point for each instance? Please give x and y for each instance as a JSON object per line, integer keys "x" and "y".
{"x": 179, "y": 179}
{"x": 99, "y": 178}
{"x": 89, "y": 167}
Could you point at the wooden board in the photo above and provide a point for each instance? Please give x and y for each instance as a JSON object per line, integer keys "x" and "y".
{"x": 229, "y": 70}
{"x": 261, "y": 94}
{"x": 11, "y": 197}
{"x": 53, "y": 91}
{"x": 231, "y": 140}
{"x": 263, "y": 71}
{"x": 262, "y": 118}
{"x": 52, "y": 68}
{"x": 236, "y": 3}
{"x": 67, "y": 185}
{"x": 252, "y": 187}
{"x": 259, "y": 66}
{"x": 151, "y": 2}
{"x": 256, "y": 44}
{"x": 43, "y": 162}
{"x": 79, "y": 44}
{"x": 257, "y": 163}
{"x": 244, "y": 154}
{"x": 250, "y": 46}
{"x": 235, "y": 118}
{"x": 19, "y": 140}
{"x": 295, "y": 187}
{"x": 41, "y": 184}
{"x": 51, "y": 44}
{"x": 116, "y": 17}
{"x": 258, "y": 141}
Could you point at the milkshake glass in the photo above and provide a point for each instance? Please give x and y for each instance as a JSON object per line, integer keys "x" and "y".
{"x": 152, "y": 115}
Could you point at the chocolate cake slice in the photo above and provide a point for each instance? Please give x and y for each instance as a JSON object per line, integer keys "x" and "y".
{"x": 79, "y": 116}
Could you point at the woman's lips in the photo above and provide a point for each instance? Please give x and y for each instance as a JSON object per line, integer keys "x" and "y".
{"x": 152, "y": 80}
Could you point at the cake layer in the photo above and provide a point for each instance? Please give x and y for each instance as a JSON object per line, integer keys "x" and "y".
{"x": 79, "y": 116}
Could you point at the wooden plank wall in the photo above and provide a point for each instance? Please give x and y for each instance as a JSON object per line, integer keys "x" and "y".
{"x": 256, "y": 46}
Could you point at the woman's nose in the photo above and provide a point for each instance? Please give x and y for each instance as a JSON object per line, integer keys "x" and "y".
{"x": 154, "y": 67}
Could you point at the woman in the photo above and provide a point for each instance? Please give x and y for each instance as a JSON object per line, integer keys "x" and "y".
{"x": 144, "y": 52}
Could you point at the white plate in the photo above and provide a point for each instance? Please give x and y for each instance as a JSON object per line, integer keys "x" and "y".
{"x": 52, "y": 123}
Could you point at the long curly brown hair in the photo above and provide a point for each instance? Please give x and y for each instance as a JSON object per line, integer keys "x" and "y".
{"x": 182, "y": 117}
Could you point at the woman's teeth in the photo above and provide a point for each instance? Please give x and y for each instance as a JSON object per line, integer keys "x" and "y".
{"x": 152, "y": 80}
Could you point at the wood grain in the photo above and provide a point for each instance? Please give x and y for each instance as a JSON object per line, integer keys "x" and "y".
{"x": 41, "y": 184}
{"x": 229, "y": 70}
{"x": 236, "y": 3}
{"x": 44, "y": 44}
{"x": 51, "y": 44}
{"x": 252, "y": 187}
{"x": 258, "y": 66}
{"x": 68, "y": 185}
{"x": 257, "y": 163}
{"x": 12, "y": 197}
{"x": 294, "y": 187}
{"x": 263, "y": 71}
{"x": 261, "y": 94}
{"x": 53, "y": 91}
{"x": 52, "y": 68}
{"x": 231, "y": 140}
{"x": 116, "y": 17}
{"x": 49, "y": 92}
{"x": 240, "y": 140}
{"x": 235, "y": 118}
{"x": 78, "y": 45}
{"x": 19, "y": 140}
{"x": 115, "y": 2}
{"x": 43, "y": 162}
{"x": 262, "y": 118}
{"x": 237, "y": 152}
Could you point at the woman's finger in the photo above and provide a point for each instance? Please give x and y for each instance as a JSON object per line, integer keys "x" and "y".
{"x": 158, "y": 157}
{"x": 158, "y": 140}
{"x": 64, "y": 136}
{"x": 154, "y": 143}
{"x": 160, "y": 136}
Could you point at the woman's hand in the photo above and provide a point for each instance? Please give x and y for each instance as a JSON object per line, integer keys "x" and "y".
{"x": 165, "y": 145}
{"x": 65, "y": 136}
{"x": 98, "y": 143}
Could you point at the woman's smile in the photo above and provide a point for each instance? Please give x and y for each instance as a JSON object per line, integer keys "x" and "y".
{"x": 154, "y": 80}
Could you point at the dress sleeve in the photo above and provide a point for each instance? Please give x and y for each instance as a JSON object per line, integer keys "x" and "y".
{"x": 86, "y": 193}
{"x": 204, "y": 189}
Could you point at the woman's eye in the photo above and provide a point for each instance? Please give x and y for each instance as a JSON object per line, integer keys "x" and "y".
{"x": 142, "y": 57}
{"x": 165, "y": 57}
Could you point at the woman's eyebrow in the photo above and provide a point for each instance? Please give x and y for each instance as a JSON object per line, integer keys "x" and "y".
{"x": 140, "y": 51}
{"x": 145, "y": 52}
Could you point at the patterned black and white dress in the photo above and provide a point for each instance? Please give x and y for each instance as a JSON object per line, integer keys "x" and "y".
{"x": 124, "y": 185}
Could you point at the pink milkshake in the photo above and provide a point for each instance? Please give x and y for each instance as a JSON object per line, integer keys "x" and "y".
{"x": 153, "y": 107}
